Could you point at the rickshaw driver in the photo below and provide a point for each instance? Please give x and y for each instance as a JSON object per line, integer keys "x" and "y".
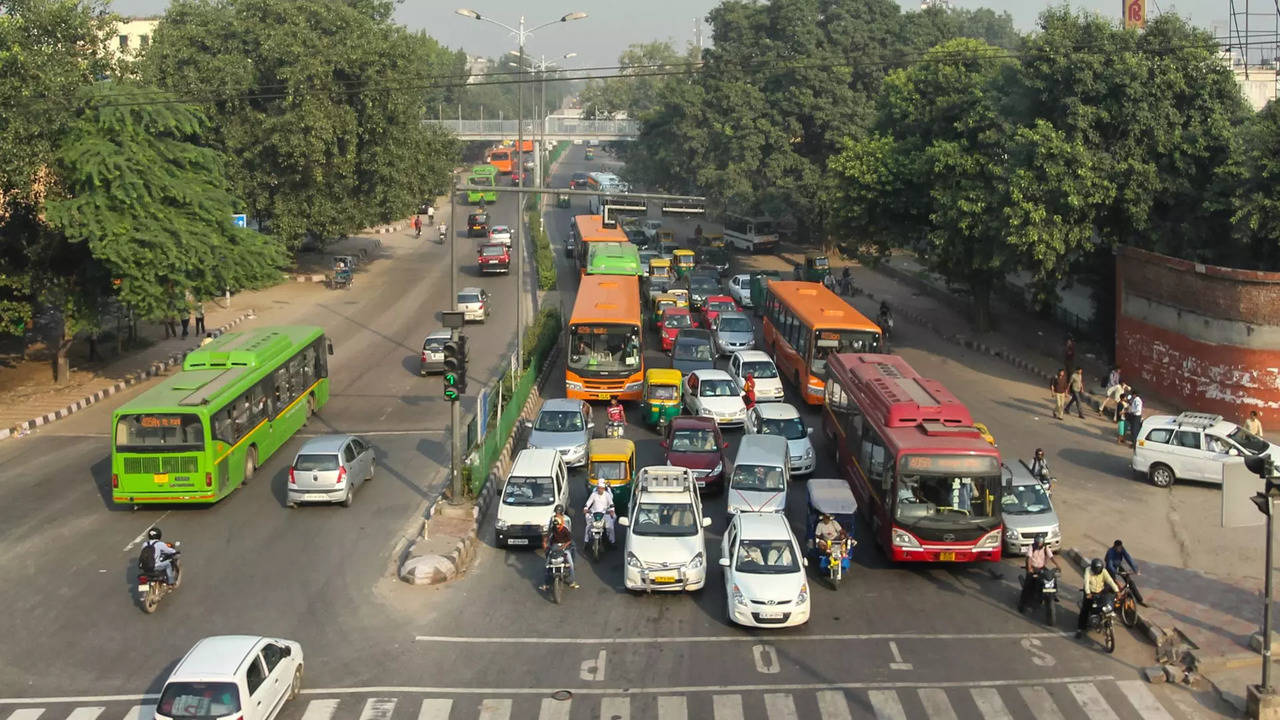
{"x": 600, "y": 501}
{"x": 828, "y": 531}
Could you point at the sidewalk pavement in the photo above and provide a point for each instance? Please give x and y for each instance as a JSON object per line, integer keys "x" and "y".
{"x": 32, "y": 404}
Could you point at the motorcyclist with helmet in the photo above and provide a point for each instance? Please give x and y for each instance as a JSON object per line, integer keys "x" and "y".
{"x": 163, "y": 557}
{"x": 1038, "y": 558}
{"x": 1096, "y": 581}
{"x": 558, "y": 535}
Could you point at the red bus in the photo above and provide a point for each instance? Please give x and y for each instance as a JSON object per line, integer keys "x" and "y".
{"x": 923, "y": 474}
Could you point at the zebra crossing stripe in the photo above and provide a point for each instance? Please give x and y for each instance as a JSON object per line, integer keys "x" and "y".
{"x": 140, "y": 712}
{"x": 1042, "y": 707}
{"x": 86, "y": 713}
{"x": 378, "y": 709}
{"x": 780, "y": 706}
{"x": 553, "y": 709}
{"x": 26, "y": 714}
{"x": 726, "y": 707}
{"x": 492, "y": 709}
{"x": 936, "y": 704}
{"x": 833, "y": 706}
{"x": 615, "y": 708}
{"x": 1142, "y": 700}
{"x": 1095, "y": 706}
{"x": 886, "y": 705}
{"x": 317, "y": 710}
{"x": 989, "y": 704}
{"x": 432, "y": 709}
{"x": 672, "y": 707}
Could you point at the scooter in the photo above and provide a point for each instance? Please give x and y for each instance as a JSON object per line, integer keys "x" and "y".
{"x": 153, "y": 586}
{"x": 1045, "y": 593}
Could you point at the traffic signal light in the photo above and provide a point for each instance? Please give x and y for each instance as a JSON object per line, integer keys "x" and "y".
{"x": 455, "y": 369}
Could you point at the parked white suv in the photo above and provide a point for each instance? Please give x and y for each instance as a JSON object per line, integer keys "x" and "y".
{"x": 1192, "y": 446}
{"x": 665, "y": 547}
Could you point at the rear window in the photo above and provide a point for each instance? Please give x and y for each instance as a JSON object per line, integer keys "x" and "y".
{"x": 479, "y": 219}
{"x": 199, "y": 700}
{"x": 159, "y": 431}
{"x": 313, "y": 462}
{"x": 435, "y": 343}
{"x": 493, "y": 251}
{"x": 1159, "y": 435}
{"x": 468, "y": 298}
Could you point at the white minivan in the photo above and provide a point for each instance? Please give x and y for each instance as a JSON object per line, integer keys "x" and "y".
{"x": 538, "y": 481}
{"x": 760, "y": 475}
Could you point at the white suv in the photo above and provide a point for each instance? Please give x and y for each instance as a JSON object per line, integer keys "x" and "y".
{"x": 665, "y": 548}
{"x": 1191, "y": 446}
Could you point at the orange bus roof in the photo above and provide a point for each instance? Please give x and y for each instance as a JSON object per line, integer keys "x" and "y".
{"x": 591, "y": 229}
{"x": 607, "y": 299}
{"x": 818, "y": 307}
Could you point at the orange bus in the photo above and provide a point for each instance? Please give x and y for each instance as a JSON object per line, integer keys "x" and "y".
{"x": 500, "y": 157}
{"x": 585, "y": 229}
{"x": 804, "y": 323}
{"x": 606, "y": 340}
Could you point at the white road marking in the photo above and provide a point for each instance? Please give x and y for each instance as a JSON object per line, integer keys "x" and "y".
{"x": 780, "y": 706}
{"x": 378, "y": 709}
{"x": 936, "y": 704}
{"x": 1095, "y": 706}
{"x": 553, "y": 709}
{"x": 766, "y": 659}
{"x": 320, "y": 710}
{"x": 725, "y": 638}
{"x": 434, "y": 709}
{"x": 727, "y": 707}
{"x": 989, "y": 704}
{"x": 86, "y": 713}
{"x": 593, "y": 670}
{"x": 1042, "y": 707}
{"x": 615, "y": 708}
{"x": 26, "y": 714}
{"x": 142, "y": 536}
{"x": 1143, "y": 700}
{"x": 491, "y": 709}
{"x": 672, "y": 707}
{"x": 140, "y": 712}
{"x": 897, "y": 663}
{"x": 833, "y": 706}
{"x": 1038, "y": 656}
{"x": 75, "y": 699}
{"x": 886, "y": 705}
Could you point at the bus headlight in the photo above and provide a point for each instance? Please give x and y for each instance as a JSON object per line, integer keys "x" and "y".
{"x": 989, "y": 541}
{"x": 632, "y": 387}
{"x": 902, "y": 538}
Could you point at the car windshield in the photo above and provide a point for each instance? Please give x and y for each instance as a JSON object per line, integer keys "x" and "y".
{"x": 434, "y": 343}
{"x": 692, "y": 350}
{"x": 767, "y": 557}
{"x": 612, "y": 349}
{"x": 663, "y": 392}
{"x": 199, "y": 700}
{"x": 1025, "y": 500}
{"x": 559, "y": 421}
{"x": 722, "y": 305}
{"x": 677, "y": 320}
{"x": 500, "y": 230}
{"x": 1252, "y": 444}
{"x": 717, "y": 388}
{"x": 608, "y": 470}
{"x": 841, "y": 341}
{"x": 468, "y": 298}
{"x": 948, "y": 498}
{"x": 479, "y": 219}
{"x": 761, "y": 478}
{"x": 820, "y": 262}
{"x": 159, "y": 431}
{"x": 759, "y": 368}
{"x": 789, "y": 428}
{"x": 693, "y": 441}
{"x": 316, "y": 462}
{"x": 527, "y": 491}
{"x": 494, "y": 251}
{"x": 703, "y": 286}
{"x": 734, "y": 324}
{"x": 664, "y": 520}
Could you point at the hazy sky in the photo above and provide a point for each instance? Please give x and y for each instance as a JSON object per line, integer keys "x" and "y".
{"x": 614, "y": 24}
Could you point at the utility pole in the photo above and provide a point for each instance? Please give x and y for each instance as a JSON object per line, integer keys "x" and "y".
{"x": 520, "y": 216}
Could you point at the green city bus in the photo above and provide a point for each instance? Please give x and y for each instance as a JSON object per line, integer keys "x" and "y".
{"x": 202, "y": 432}
{"x": 486, "y": 175}
{"x": 613, "y": 258}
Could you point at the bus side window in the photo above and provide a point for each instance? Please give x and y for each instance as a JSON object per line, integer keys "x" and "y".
{"x": 802, "y": 340}
{"x": 322, "y": 360}
{"x": 873, "y": 458}
{"x": 224, "y": 427}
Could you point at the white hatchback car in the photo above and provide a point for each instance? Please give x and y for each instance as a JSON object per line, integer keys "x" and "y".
{"x": 758, "y": 364}
{"x": 500, "y": 234}
{"x": 740, "y": 289}
{"x": 474, "y": 303}
{"x": 764, "y": 577}
{"x": 665, "y": 546}
{"x": 1192, "y": 446}
{"x": 714, "y": 394}
{"x": 237, "y": 677}
{"x": 784, "y": 419}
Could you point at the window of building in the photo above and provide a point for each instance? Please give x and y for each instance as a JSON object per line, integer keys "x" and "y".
{"x": 124, "y": 42}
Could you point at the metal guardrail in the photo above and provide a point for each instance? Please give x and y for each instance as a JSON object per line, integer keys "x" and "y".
{"x": 556, "y": 127}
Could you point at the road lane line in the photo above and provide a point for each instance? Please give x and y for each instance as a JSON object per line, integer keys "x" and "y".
{"x": 832, "y": 705}
{"x": 495, "y": 709}
{"x": 989, "y": 704}
{"x": 320, "y": 710}
{"x": 1095, "y": 706}
{"x": 1143, "y": 700}
{"x": 378, "y": 709}
{"x": 76, "y": 699}
{"x": 613, "y": 707}
{"x": 142, "y": 536}
{"x": 936, "y": 704}
{"x": 140, "y": 712}
{"x": 726, "y": 707}
{"x": 886, "y": 705}
{"x": 726, "y": 638}
{"x": 553, "y": 709}
{"x": 1042, "y": 707}
{"x": 780, "y": 706}
{"x": 86, "y": 713}
{"x": 672, "y": 707}
{"x": 26, "y": 714}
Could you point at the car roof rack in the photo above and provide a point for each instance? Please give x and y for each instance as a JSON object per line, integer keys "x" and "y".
{"x": 665, "y": 480}
{"x": 1202, "y": 421}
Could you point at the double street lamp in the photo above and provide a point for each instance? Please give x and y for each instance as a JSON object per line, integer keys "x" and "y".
{"x": 521, "y": 34}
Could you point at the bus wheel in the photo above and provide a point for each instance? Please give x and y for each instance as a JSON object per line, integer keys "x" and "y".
{"x": 250, "y": 464}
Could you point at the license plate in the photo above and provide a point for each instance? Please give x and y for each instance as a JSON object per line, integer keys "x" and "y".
{"x": 701, "y": 483}
{"x": 143, "y": 588}
{"x": 664, "y": 578}
{"x": 771, "y": 615}
{"x": 947, "y": 556}
{"x": 161, "y": 478}
{"x": 602, "y": 396}
{"x": 518, "y": 541}
{"x": 315, "y": 496}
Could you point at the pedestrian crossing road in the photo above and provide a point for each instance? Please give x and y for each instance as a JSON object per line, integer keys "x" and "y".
{"x": 1057, "y": 700}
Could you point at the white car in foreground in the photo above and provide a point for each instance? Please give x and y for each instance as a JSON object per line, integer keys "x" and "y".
{"x": 764, "y": 576}
{"x": 665, "y": 546}
{"x": 784, "y": 419}
{"x": 246, "y": 677}
{"x": 714, "y": 394}
{"x": 759, "y": 365}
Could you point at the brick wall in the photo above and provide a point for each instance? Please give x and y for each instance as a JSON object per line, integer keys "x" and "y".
{"x": 1205, "y": 337}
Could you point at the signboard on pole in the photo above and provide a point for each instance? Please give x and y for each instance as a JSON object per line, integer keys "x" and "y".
{"x": 1135, "y": 13}
{"x": 1239, "y": 485}
{"x": 482, "y": 411}
{"x": 241, "y": 220}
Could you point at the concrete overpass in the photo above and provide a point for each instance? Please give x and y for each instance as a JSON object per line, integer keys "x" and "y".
{"x": 557, "y": 128}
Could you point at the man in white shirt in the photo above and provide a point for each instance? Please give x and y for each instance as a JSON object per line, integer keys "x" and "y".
{"x": 1134, "y": 419}
{"x": 600, "y": 501}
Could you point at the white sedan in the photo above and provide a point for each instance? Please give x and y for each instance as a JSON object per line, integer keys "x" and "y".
{"x": 740, "y": 289}
{"x": 784, "y": 419}
{"x": 759, "y": 365}
{"x": 713, "y": 394}
{"x": 764, "y": 577}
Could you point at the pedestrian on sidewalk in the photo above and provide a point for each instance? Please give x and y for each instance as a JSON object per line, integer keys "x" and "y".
{"x": 1059, "y": 387}
{"x": 1069, "y": 354}
{"x": 1122, "y": 415}
{"x": 846, "y": 282}
{"x": 199, "y": 318}
{"x": 1254, "y": 423}
{"x": 1076, "y": 388}
{"x": 1115, "y": 396}
{"x": 431, "y": 214}
{"x": 1133, "y": 417}
{"x": 186, "y": 322}
{"x": 171, "y": 322}
{"x": 417, "y": 226}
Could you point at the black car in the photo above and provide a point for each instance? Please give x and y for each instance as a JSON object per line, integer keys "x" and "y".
{"x": 700, "y": 286}
{"x": 717, "y": 258}
{"x": 478, "y": 225}
{"x": 578, "y": 181}
{"x": 692, "y": 351}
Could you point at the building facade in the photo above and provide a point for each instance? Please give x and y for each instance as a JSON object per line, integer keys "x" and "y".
{"x": 133, "y": 37}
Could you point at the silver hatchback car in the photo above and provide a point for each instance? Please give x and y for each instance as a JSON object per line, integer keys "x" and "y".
{"x": 329, "y": 468}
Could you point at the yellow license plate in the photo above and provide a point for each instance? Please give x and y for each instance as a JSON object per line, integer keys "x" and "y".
{"x": 947, "y": 557}
{"x": 664, "y": 578}
{"x": 161, "y": 478}
{"x": 602, "y": 396}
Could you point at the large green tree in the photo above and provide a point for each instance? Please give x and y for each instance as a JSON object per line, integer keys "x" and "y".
{"x": 643, "y": 71}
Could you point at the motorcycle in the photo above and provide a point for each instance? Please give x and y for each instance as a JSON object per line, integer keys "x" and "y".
{"x": 597, "y": 533}
{"x": 1045, "y": 591}
{"x": 834, "y": 560}
{"x": 1127, "y": 599}
{"x": 444, "y": 232}
{"x": 1102, "y": 619}
{"x": 558, "y": 571}
{"x": 155, "y": 585}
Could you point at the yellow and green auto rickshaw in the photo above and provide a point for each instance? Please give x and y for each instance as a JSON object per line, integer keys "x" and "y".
{"x": 816, "y": 268}
{"x": 661, "y": 399}
{"x": 661, "y": 302}
{"x": 683, "y": 260}
{"x": 614, "y": 461}
{"x": 681, "y": 295}
{"x": 659, "y": 271}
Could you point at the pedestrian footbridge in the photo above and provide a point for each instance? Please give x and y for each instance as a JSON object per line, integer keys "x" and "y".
{"x": 554, "y": 129}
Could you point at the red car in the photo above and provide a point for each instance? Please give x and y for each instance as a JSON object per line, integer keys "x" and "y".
{"x": 673, "y": 321}
{"x": 716, "y": 304}
{"x": 695, "y": 443}
{"x": 494, "y": 257}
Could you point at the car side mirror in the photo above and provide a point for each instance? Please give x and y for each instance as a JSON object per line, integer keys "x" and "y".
{"x": 665, "y": 444}
{"x": 706, "y": 522}
{"x": 329, "y": 346}
{"x": 724, "y": 444}
{"x": 805, "y": 561}
{"x": 724, "y": 562}
{"x": 624, "y": 521}
{"x": 809, "y": 431}
{"x": 1233, "y": 451}
{"x": 288, "y": 651}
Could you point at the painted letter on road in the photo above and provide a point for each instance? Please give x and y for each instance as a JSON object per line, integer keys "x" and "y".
{"x": 593, "y": 670}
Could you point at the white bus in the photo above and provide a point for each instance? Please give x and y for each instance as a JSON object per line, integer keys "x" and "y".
{"x": 751, "y": 234}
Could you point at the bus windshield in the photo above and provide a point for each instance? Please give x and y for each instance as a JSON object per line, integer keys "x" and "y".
{"x": 159, "y": 431}
{"x": 827, "y": 342}
{"x": 605, "y": 349}
{"x": 484, "y": 180}
{"x": 947, "y": 498}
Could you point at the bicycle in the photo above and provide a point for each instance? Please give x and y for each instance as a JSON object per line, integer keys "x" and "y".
{"x": 1127, "y": 599}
